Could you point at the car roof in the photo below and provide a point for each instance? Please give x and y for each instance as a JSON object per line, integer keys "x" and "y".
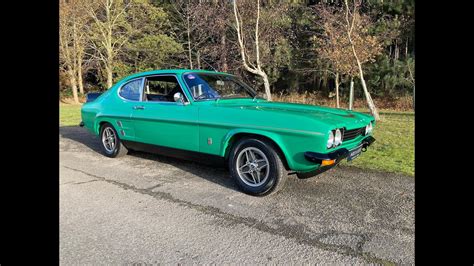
{"x": 173, "y": 71}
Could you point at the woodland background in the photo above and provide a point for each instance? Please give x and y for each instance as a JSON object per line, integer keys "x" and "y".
{"x": 302, "y": 47}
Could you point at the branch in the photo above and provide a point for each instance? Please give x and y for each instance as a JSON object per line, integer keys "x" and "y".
{"x": 241, "y": 44}
{"x": 348, "y": 24}
{"x": 256, "y": 36}
{"x": 315, "y": 70}
{"x": 119, "y": 14}
{"x": 411, "y": 73}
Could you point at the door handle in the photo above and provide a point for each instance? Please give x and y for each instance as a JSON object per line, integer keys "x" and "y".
{"x": 138, "y": 107}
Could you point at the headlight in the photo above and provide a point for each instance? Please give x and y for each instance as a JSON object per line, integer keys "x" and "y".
{"x": 368, "y": 128}
{"x": 330, "y": 140}
{"x": 337, "y": 137}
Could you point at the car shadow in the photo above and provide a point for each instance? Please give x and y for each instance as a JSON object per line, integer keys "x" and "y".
{"x": 80, "y": 135}
{"x": 217, "y": 174}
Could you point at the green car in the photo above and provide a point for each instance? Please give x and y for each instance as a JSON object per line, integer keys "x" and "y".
{"x": 215, "y": 117}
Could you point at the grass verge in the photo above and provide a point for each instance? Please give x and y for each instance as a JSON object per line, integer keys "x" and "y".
{"x": 394, "y": 148}
{"x": 69, "y": 114}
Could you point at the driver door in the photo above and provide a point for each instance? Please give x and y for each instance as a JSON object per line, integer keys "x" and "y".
{"x": 159, "y": 120}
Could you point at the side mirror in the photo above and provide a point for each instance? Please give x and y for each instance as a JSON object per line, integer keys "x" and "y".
{"x": 178, "y": 97}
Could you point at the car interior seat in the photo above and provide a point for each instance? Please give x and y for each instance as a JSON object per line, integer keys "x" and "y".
{"x": 176, "y": 89}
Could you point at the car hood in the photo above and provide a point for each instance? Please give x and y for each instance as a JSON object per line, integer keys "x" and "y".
{"x": 331, "y": 116}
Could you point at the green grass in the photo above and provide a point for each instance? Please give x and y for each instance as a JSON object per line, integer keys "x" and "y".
{"x": 69, "y": 114}
{"x": 393, "y": 150}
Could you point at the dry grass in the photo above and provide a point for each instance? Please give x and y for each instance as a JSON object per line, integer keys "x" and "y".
{"x": 70, "y": 100}
{"x": 401, "y": 104}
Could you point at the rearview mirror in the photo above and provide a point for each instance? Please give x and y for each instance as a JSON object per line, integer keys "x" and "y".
{"x": 178, "y": 97}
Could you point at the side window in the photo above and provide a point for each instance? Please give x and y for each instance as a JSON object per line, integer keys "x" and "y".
{"x": 161, "y": 88}
{"x": 131, "y": 90}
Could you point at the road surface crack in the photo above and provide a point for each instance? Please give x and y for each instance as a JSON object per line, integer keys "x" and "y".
{"x": 295, "y": 232}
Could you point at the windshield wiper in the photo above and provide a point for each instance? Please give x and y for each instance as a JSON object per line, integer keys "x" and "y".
{"x": 204, "y": 97}
{"x": 230, "y": 96}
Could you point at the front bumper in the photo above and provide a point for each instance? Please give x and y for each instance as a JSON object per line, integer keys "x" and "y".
{"x": 337, "y": 156}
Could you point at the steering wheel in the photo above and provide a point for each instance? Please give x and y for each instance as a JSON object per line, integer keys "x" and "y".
{"x": 205, "y": 95}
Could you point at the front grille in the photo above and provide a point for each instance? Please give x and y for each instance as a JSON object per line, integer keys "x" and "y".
{"x": 353, "y": 133}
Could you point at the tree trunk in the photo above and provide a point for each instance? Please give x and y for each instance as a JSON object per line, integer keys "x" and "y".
{"x": 413, "y": 81}
{"x": 351, "y": 94}
{"x": 77, "y": 52}
{"x": 324, "y": 83}
{"x": 225, "y": 67}
{"x": 266, "y": 84}
{"x": 198, "y": 57}
{"x": 406, "y": 48}
{"x": 108, "y": 69}
{"x": 373, "y": 109}
{"x": 397, "y": 50}
{"x": 189, "y": 43}
{"x": 337, "y": 90}
{"x": 72, "y": 79}
{"x": 79, "y": 74}
{"x": 109, "y": 48}
{"x": 109, "y": 63}
{"x": 370, "y": 102}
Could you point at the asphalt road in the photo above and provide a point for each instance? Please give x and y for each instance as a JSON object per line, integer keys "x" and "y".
{"x": 145, "y": 208}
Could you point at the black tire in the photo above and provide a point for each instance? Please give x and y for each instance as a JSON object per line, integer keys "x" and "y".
{"x": 118, "y": 150}
{"x": 277, "y": 174}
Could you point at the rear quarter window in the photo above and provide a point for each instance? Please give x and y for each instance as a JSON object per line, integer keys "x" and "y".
{"x": 131, "y": 90}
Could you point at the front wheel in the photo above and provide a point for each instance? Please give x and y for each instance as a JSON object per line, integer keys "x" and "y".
{"x": 111, "y": 144}
{"x": 257, "y": 167}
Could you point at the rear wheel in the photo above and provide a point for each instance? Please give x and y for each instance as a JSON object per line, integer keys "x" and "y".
{"x": 257, "y": 167}
{"x": 111, "y": 144}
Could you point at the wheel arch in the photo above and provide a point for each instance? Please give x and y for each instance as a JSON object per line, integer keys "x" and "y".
{"x": 99, "y": 122}
{"x": 235, "y": 135}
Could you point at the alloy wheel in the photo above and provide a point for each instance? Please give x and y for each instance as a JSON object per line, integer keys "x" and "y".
{"x": 252, "y": 166}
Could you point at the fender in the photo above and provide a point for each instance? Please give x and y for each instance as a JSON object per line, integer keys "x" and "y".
{"x": 274, "y": 137}
{"x": 99, "y": 119}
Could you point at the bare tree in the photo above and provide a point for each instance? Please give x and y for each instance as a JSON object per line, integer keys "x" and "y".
{"x": 182, "y": 7}
{"x": 68, "y": 53}
{"x": 332, "y": 46}
{"x": 211, "y": 26}
{"x": 248, "y": 65}
{"x": 80, "y": 36}
{"x": 346, "y": 45}
{"x": 201, "y": 24}
{"x": 411, "y": 68}
{"x": 110, "y": 32}
{"x": 350, "y": 23}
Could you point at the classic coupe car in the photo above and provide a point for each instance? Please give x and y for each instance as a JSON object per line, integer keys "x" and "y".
{"x": 215, "y": 117}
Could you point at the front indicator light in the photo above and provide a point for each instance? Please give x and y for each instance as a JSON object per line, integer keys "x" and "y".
{"x": 328, "y": 162}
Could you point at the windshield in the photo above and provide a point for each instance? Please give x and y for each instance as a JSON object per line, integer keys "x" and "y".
{"x": 205, "y": 86}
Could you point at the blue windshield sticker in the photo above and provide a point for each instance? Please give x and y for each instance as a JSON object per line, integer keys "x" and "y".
{"x": 190, "y": 76}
